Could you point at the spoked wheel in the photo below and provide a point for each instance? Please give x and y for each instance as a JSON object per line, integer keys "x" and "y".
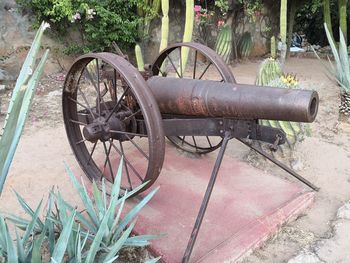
{"x": 110, "y": 114}
{"x": 203, "y": 63}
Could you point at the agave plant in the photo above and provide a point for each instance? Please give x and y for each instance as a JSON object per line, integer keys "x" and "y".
{"x": 340, "y": 72}
{"x": 97, "y": 234}
{"x": 22, "y": 96}
{"x": 28, "y": 247}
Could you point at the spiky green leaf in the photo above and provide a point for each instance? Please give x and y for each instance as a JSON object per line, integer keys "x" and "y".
{"x": 62, "y": 241}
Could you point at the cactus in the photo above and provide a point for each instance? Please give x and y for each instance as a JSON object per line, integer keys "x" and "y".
{"x": 293, "y": 130}
{"x": 273, "y": 47}
{"x": 269, "y": 70}
{"x": 245, "y": 45}
{"x": 187, "y": 34}
{"x": 139, "y": 58}
{"x": 283, "y": 31}
{"x": 20, "y": 103}
{"x": 343, "y": 17}
{"x": 327, "y": 16}
{"x": 165, "y": 25}
{"x": 270, "y": 74}
{"x": 223, "y": 44}
{"x": 283, "y": 21}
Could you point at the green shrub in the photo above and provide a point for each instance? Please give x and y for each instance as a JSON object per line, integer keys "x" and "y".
{"x": 99, "y": 22}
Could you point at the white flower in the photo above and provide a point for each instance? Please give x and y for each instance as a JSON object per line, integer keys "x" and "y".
{"x": 75, "y": 17}
{"x": 90, "y": 14}
{"x": 46, "y": 25}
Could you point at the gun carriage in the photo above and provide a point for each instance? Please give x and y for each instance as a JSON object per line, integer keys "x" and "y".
{"x": 113, "y": 111}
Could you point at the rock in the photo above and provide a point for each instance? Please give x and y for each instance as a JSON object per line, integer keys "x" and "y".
{"x": 305, "y": 257}
{"x": 55, "y": 93}
{"x": 344, "y": 211}
{"x": 297, "y": 165}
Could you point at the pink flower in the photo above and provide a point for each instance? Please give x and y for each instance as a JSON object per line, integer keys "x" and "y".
{"x": 197, "y": 8}
{"x": 221, "y": 23}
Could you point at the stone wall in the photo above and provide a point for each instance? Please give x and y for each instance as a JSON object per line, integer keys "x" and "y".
{"x": 261, "y": 29}
{"x": 16, "y": 36}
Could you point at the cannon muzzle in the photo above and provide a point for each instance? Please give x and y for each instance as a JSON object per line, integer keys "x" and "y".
{"x": 217, "y": 99}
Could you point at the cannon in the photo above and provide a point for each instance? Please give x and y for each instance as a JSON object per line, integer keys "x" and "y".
{"x": 113, "y": 111}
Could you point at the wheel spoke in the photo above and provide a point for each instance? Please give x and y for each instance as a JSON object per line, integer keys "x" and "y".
{"x": 80, "y": 104}
{"x": 107, "y": 152}
{"x": 128, "y": 162}
{"x": 86, "y": 70}
{"x": 132, "y": 115}
{"x": 137, "y": 147}
{"x": 118, "y": 103}
{"x": 115, "y": 95}
{"x": 125, "y": 162}
{"x": 181, "y": 69}
{"x": 98, "y": 90}
{"x": 161, "y": 72}
{"x": 81, "y": 141}
{"x": 77, "y": 122}
{"x": 129, "y": 133}
{"x": 92, "y": 152}
{"x": 195, "y": 64}
{"x": 172, "y": 63}
{"x": 87, "y": 103}
{"x": 205, "y": 70}
{"x": 210, "y": 145}
{"x": 194, "y": 141}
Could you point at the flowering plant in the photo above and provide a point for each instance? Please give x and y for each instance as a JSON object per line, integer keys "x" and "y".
{"x": 202, "y": 21}
{"x": 201, "y": 15}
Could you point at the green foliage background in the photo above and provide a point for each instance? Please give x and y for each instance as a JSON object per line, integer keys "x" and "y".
{"x": 309, "y": 19}
{"x": 99, "y": 22}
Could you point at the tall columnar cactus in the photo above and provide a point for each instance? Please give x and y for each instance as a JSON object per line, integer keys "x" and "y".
{"x": 187, "y": 33}
{"x": 283, "y": 31}
{"x": 327, "y": 16}
{"x": 343, "y": 17}
{"x": 20, "y": 103}
{"x": 139, "y": 58}
{"x": 273, "y": 47}
{"x": 165, "y": 25}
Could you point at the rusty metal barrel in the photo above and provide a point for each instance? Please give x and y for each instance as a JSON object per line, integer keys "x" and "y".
{"x": 205, "y": 98}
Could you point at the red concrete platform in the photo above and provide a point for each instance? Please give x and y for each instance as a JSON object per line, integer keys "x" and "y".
{"x": 247, "y": 206}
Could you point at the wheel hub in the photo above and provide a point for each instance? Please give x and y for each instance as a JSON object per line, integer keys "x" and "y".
{"x": 99, "y": 129}
{"x": 107, "y": 127}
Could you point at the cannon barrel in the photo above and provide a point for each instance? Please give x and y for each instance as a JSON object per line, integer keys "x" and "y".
{"x": 217, "y": 99}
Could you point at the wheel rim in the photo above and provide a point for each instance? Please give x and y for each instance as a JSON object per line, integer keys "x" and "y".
{"x": 212, "y": 67}
{"x": 104, "y": 100}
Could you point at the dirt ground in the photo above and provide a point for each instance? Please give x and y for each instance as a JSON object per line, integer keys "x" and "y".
{"x": 324, "y": 158}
